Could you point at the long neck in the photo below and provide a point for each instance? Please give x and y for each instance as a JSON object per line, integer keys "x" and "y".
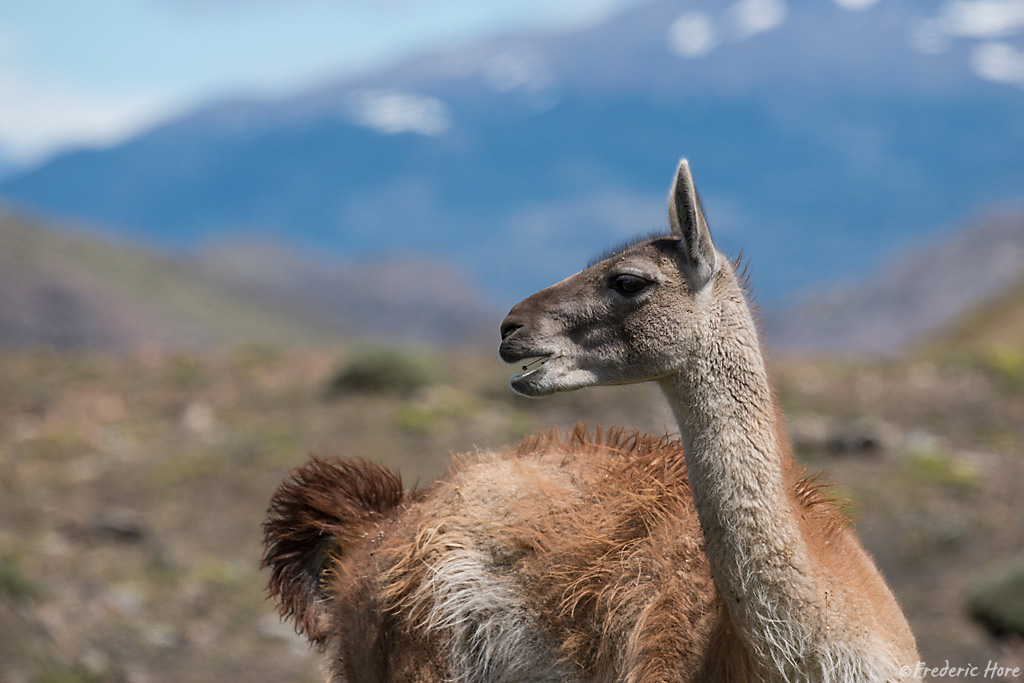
{"x": 725, "y": 409}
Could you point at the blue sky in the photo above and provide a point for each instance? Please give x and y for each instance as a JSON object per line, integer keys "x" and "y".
{"x": 94, "y": 72}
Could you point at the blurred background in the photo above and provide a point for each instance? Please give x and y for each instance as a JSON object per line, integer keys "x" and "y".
{"x": 233, "y": 234}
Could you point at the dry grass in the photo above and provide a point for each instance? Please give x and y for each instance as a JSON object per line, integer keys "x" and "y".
{"x": 132, "y": 489}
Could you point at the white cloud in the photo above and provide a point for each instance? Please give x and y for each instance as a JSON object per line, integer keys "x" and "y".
{"x": 855, "y": 5}
{"x": 999, "y": 62}
{"x": 40, "y": 117}
{"x": 984, "y": 18}
{"x": 391, "y": 112}
{"x": 750, "y": 17}
{"x": 695, "y": 33}
{"x": 518, "y": 69}
{"x": 524, "y": 71}
{"x": 692, "y": 34}
{"x": 977, "y": 19}
{"x": 928, "y": 37}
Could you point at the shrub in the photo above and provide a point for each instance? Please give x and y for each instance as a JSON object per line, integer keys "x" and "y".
{"x": 384, "y": 372}
{"x": 14, "y": 584}
{"x": 997, "y": 599}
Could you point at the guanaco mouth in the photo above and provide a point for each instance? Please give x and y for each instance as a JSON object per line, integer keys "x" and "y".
{"x": 530, "y": 364}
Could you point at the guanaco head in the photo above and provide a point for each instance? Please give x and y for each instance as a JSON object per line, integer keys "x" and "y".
{"x": 632, "y": 317}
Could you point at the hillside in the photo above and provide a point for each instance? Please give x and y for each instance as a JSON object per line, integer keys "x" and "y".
{"x": 815, "y": 156}
{"x": 959, "y": 289}
{"x": 65, "y": 290}
{"x": 993, "y": 326}
{"x": 400, "y": 298}
{"x": 63, "y": 287}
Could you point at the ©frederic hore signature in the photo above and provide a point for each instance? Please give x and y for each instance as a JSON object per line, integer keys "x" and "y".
{"x": 991, "y": 671}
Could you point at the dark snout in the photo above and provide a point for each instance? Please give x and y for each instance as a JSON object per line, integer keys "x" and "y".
{"x": 512, "y": 326}
{"x": 518, "y": 328}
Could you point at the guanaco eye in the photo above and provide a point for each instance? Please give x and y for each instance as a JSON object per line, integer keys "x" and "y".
{"x": 628, "y": 285}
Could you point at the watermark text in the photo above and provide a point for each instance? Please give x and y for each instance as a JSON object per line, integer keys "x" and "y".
{"x": 990, "y": 671}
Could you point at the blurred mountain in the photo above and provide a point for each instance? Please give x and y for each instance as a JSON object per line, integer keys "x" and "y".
{"x": 402, "y": 299}
{"x": 995, "y": 325}
{"x": 961, "y": 290}
{"x": 70, "y": 291}
{"x": 821, "y": 138}
{"x": 8, "y": 166}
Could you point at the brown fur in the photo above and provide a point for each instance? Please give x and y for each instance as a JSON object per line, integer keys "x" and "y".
{"x": 596, "y": 531}
{"x": 604, "y": 557}
{"x": 321, "y": 514}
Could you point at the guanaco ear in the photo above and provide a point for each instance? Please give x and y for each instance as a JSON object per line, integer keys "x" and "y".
{"x": 686, "y": 218}
{"x": 315, "y": 518}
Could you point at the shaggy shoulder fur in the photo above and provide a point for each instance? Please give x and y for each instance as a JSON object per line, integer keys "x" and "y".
{"x": 575, "y": 556}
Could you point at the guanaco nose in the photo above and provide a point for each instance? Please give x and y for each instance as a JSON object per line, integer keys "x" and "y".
{"x": 508, "y": 326}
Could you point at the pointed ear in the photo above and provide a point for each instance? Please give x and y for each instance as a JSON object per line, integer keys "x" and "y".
{"x": 687, "y": 222}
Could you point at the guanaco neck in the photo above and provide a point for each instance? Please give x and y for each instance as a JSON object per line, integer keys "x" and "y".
{"x": 724, "y": 405}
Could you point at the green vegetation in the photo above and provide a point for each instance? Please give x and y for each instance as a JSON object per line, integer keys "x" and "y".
{"x": 441, "y": 408}
{"x": 939, "y": 468}
{"x": 14, "y": 585}
{"x": 385, "y": 372}
{"x": 997, "y": 599}
{"x": 1006, "y": 365}
{"x": 62, "y": 673}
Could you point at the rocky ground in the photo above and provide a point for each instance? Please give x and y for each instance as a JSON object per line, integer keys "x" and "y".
{"x": 132, "y": 488}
